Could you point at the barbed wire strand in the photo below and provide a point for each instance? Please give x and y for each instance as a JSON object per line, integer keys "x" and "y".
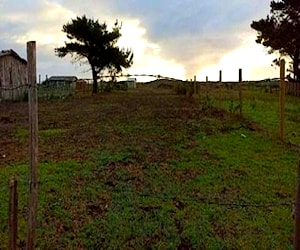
{"x": 142, "y": 75}
{"x": 199, "y": 200}
{"x": 207, "y": 201}
{"x": 15, "y": 87}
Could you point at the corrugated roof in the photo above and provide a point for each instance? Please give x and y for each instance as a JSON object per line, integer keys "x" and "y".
{"x": 63, "y": 78}
{"x": 13, "y": 54}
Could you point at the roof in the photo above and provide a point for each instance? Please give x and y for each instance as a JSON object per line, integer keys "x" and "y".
{"x": 63, "y": 78}
{"x": 131, "y": 79}
{"x": 13, "y": 54}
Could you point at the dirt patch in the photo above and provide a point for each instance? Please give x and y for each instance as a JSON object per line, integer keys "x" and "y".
{"x": 148, "y": 122}
{"x": 224, "y": 231}
{"x": 187, "y": 174}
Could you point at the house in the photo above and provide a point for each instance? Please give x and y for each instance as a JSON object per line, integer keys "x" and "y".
{"x": 13, "y": 73}
{"x": 62, "y": 81}
{"x": 57, "y": 87}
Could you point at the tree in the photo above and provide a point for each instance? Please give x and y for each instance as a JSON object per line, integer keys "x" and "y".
{"x": 91, "y": 42}
{"x": 279, "y": 32}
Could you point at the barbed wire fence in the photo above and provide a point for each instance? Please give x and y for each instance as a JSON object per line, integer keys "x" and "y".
{"x": 190, "y": 87}
{"x": 201, "y": 199}
{"x": 84, "y": 87}
{"x": 65, "y": 89}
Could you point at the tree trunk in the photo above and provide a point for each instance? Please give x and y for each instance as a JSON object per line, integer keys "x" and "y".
{"x": 95, "y": 84}
{"x": 296, "y": 65}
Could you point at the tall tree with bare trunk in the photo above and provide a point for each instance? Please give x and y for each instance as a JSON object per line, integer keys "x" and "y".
{"x": 91, "y": 42}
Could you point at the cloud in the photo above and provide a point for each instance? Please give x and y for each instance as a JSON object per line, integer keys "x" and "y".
{"x": 39, "y": 22}
{"x": 42, "y": 22}
{"x": 185, "y": 36}
{"x": 194, "y": 33}
{"x": 243, "y": 57}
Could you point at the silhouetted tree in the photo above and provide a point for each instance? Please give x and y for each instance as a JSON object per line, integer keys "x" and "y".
{"x": 280, "y": 31}
{"x": 92, "y": 42}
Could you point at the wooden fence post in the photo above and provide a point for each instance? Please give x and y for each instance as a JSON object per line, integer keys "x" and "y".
{"x": 195, "y": 86}
{"x": 13, "y": 214}
{"x": 206, "y": 85}
{"x": 240, "y": 92}
{"x": 33, "y": 144}
{"x": 297, "y": 213}
{"x": 282, "y": 100}
{"x": 187, "y": 84}
{"x": 220, "y": 86}
{"x": 198, "y": 87}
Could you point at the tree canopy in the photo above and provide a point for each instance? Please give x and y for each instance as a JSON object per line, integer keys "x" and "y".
{"x": 91, "y": 42}
{"x": 279, "y": 31}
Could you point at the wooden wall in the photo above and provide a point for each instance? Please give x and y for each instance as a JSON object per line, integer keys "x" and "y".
{"x": 13, "y": 73}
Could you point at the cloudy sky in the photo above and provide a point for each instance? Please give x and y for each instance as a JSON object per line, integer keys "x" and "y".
{"x": 173, "y": 38}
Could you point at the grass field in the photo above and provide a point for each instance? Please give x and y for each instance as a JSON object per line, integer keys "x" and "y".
{"x": 149, "y": 169}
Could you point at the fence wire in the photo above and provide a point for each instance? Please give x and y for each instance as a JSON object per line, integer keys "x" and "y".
{"x": 203, "y": 200}
{"x": 42, "y": 87}
{"x": 239, "y": 204}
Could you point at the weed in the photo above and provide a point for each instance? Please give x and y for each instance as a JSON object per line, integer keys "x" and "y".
{"x": 51, "y": 132}
{"x": 208, "y": 102}
{"x": 21, "y": 133}
{"x": 233, "y": 106}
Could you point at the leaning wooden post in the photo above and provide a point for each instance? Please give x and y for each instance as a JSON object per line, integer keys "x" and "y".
{"x": 13, "y": 214}
{"x": 240, "y": 92}
{"x": 33, "y": 144}
{"x": 282, "y": 99}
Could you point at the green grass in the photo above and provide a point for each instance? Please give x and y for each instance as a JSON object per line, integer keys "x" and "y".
{"x": 138, "y": 170}
{"x": 260, "y": 107}
{"x": 243, "y": 167}
{"x": 22, "y": 133}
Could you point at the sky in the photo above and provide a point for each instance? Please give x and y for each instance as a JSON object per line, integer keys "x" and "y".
{"x": 172, "y": 38}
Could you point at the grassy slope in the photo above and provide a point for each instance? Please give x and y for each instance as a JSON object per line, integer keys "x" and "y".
{"x": 151, "y": 169}
{"x": 260, "y": 107}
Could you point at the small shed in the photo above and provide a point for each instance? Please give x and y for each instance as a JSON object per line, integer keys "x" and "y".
{"x": 13, "y": 74}
{"x": 62, "y": 81}
{"x": 131, "y": 83}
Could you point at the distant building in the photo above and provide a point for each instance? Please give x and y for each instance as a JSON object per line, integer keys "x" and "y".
{"x": 13, "y": 73}
{"x": 131, "y": 83}
{"x": 61, "y": 80}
